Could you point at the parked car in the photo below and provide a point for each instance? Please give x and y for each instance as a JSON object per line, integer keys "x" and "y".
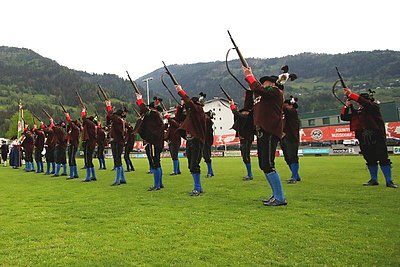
{"x": 393, "y": 141}
{"x": 351, "y": 142}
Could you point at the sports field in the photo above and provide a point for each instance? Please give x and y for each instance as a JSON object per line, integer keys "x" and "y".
{"x": 330, "y": 219}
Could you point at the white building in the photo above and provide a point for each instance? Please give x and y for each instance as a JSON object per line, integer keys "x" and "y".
{"x": 223, "y": 118}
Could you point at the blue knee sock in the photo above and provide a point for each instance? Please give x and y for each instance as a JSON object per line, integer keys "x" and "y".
{"x": 104, "y": 163}
{"x": 209, "y": 168}
{"x": 87, "y": 174}
{"x": 295, "y": 171}
{"x": 92, "y": 173}
{"x": 57, "y": 172}
{"x": 387, "y": 172}
{"x": 71, "y": 171}
{"x": 276, "y": 185}
{"x": 118, "y": 174}
{"x": 373, "y": 171}
{"x": 248, "y": 167}
{"x": 197, "y": 182}
{"x": 41, "y": 166}
{"x": 161, "y": 177}
{"x": 47, "y": 167}
{"x": 64, "y": 168}
{"x": 270, "y": 184}
{"x": 178, "y": 168}
{"x": 53, "y": 167}
{"x": 122, "y": 174}
{"x": 175, "y": 163}
{"x": 32, "y": 166}
{"x": 156, "y": 177}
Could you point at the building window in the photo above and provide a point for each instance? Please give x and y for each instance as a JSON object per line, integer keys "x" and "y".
{"x": 220, "y": 118}
{"x": 325, "y": 121}
{"x": 220, "y": 128}
{"x": 311, "y": 122}
{"x": 213, "y": 109}
{"x": 338, "y": 119}
{"x": 219, "y": 109}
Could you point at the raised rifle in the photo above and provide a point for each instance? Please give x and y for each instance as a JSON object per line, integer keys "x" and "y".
{"x": 103, "y": 92}
{"x": 47, "y": 114}
{"x": 169, "y": 91}
{"x": 334, "y": 86}
{"x": 62, "y": 107}
{"x": 242, "y": 59}
{"x": 135, "y": 87}
{"x": 36, "y": 117}
{"x": 225, "y": 93}
{"x": 170, "y": 74}
{"x": 80, "y": 100}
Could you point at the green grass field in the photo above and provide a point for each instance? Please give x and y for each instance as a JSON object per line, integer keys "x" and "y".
{"x": 331, "y": 219}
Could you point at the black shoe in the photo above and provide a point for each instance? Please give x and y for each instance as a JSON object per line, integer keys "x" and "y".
{"x": 127, "y": 170}
{"x": 391, "y": 184}
{"x": 173, "y": 173}
{"x": 371, "y": 183}
{"x": 247, "y": 178}
{"x": 195, "y": 193}
{"x": 115, "y": 183}
{"x": 275, "y": 202}
{"x": 122, "y": 182}
{"x": 76, "y": 176}
{"x": 93, "y": 179}
{"x": 162, "y": 186}
{"x": 153, "y": 188}
{"x": 85, "y": 181}
{"x": 149, "y": 172}
{"x": 63, "y": 174}
{"x": 292, "y": 181}
{"x": 209, "y": 175}
{"x": 55, "y": 175}
{"x": 178, "y": 173}
{"x": 70, "y": 177}
{"x": 268, "y": 199}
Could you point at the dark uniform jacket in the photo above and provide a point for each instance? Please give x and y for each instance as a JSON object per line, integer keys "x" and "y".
{"x": 129, "y": 138}
{"x": 173, "y": 135}
{"x": 117, "y": 130}
{"x": 243, "y": 123}
{"x": 39, "y": 140}
{"x": 152, "y": 127}
{"x": 209, "y": 140}
{"x": 89, "y": 132}
{"x": 101, "y": 137}
{"x": 73, "y": 134}
{"x": 28, "y": 143}
{"x": 59, "y": 136}
{"x": 50, "y": 137}
{"x": 291, "y": 123}
{"x": 195, "y": 121}
{"x": 267, "y": 109}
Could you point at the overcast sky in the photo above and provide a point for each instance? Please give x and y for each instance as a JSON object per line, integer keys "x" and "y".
{"x": 117, "y": 35}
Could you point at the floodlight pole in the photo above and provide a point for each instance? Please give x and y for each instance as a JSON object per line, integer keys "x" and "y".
{"x": 147, "y": 80}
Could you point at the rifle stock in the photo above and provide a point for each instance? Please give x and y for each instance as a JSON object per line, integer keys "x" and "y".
{"x": 170, "y": 74}
{"x": 225, "y": 93}
{"x": 242, "y": 59}
{"x": 135, "y": 87}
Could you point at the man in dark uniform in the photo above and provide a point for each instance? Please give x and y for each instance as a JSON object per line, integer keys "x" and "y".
{"x": 244, "y": 127}
{"x": 267, "y": 112}
{"x": 73, "y": 132}
{"x": 89, "y": 138}
{"x": 39, "y": 145}
{"x": 291, "y": 138}
{"x": 50, "y": 144}
{"x": 28, "y": 144}
{"x": 208, "y": 142}
{"x": 101, "y": 143}
{"x": 152, "y": 130}
{"x": 117, "y": 132}
{"x": 173, "y": 137}
{"x": 373, "y": 137}
{"x": 195, "y": 127}
{"x": 60, "y": 148}
{"x": 4, "y": 152}
{"x": 129, "y": 142}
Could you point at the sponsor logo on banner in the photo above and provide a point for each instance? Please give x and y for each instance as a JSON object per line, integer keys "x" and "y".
{"x": 343, "y": 151}
{"x": 317, "y": 134}
{"x": 396, "y": 150}
{"x": 217, "y": 153}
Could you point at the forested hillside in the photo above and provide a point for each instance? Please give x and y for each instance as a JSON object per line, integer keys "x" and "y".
{"x": 41, "y": 82}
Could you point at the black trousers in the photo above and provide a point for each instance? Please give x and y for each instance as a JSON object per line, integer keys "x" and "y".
{"x": 84, "y": 152}
{"x": 245, "y": 146}
{"x": 174, "y": 150}
{"x": 28, "y": 156}
{"x": 100, "y": 151}
{"x": 155, "y": 155}
{"x": 50, "y": 154}
{"x": 88, "y": 152}
{"x": 374, "y": 149}
{"x": 60, "y": 156}
{"x": 128, "y": 150}
{"x": 194, "y": 151}
{"x": 290, "y": 150}
{"x": 207, "y": 153}
{"x": 116, "y": 149}
{"x": 71, "y": 155}
{"x": 266, "y": 147}
{"x": 38, "y": 155}
{"x": 148, "y": 154}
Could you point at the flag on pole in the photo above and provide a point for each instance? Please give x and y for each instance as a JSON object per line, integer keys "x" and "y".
{"x": 21, "y": 125}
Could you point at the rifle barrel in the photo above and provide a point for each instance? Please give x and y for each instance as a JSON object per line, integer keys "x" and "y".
{"x": 170, "y": 74}
{"x": 340, "y": 78}
{"x": 135, "y": 87}
{"x": 242, "y": 59}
